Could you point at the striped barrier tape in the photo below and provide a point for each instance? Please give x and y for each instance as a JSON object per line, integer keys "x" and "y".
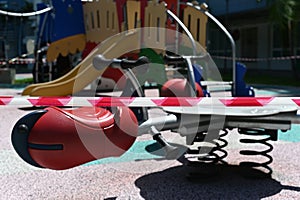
{"x": 32, "y": 60}
{"x": 20, "y": 61}
{"x": 152, "y": 101}
{"x": 259, "y": 59}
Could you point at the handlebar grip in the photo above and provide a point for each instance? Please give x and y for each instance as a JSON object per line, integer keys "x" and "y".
{"x": 129, "y": 64}
{"x": 100, "y": 62}
{"x": 174, "y": 60}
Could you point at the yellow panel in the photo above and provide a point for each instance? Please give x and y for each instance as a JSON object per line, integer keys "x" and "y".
{"x": 196, "y": 21}
{"x": 65, "y": 46}
{"x": 101, "y": 20}
{"x": 133, "y": 14}
{"x": 155, "y": 16}
{"x": 87, "y": 9}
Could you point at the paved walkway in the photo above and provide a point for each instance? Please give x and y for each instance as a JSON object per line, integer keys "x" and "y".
{"x": 284, "y": 91}
{"x": 141, "y": 175}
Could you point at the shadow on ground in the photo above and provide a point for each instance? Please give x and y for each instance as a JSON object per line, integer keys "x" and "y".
{"x": 229, "y": 183}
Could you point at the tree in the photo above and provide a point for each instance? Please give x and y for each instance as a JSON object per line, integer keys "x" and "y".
{"x": 286, "y": 14}
{"x": 28, "y": 7}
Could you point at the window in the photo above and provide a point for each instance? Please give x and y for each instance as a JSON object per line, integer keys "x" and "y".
{"x": 297, "y": 39}
{"x": 249, "y": 42}
{"x": 2, "y": 50}
{"x": 280, "y": 42}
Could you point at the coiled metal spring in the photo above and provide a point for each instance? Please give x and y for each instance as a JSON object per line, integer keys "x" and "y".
{"x": 210, "y": 150}
{"x": 267, "y": 136}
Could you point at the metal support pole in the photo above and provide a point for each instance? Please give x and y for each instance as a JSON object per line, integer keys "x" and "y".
{"x": 185, "y": 29}
{"x": 203, "y": 9}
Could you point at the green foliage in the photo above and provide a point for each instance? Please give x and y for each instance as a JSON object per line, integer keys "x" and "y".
{"x": 283, "y": 12}
{"x": 28, "y": 7}
{"x": 24, "y": 81}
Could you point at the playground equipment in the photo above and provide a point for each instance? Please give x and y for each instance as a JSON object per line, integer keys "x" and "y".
{"x": 198, "y": 120}
{"x": 96, "y": 21}
{"x": 84, "y": 71}
{"x": 99, "y": 127}
{"x": 103, "y": 20}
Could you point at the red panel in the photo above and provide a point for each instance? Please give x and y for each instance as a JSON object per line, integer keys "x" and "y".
{"x": 179, "y": 88}
{"x": 81, "y": 141}
{"x": 89, "y": 46}
{"x": 143, "y": 6}
{"x": 117, "y": 75}
{"x": 120, "y": 10}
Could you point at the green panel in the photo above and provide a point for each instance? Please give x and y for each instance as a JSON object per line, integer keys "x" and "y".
{"x": 156, "y": 73}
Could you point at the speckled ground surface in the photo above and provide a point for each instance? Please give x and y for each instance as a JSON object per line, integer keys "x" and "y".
{"x": 145, "y": 179}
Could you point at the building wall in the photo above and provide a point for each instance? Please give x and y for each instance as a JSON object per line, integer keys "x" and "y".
{"x": 222, "y": 7}
{"x": 258, "y": 39}
{"x": 15, "y": 30}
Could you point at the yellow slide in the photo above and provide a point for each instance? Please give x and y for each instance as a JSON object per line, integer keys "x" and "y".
{"x": 84, "y": 73}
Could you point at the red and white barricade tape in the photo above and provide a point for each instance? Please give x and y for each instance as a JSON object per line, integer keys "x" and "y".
{"x": 18, "y": 61}
{"x": 296, "y": 57}
{"x": 151, "y": 101}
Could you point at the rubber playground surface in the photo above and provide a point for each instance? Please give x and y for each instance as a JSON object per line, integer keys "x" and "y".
{"x": 138, "y": 174}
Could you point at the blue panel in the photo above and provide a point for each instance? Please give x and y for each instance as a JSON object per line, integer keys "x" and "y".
{"x": 68, "y": 19}
{"x": 45, "y": 25}
{"x": 241, "y": 89}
